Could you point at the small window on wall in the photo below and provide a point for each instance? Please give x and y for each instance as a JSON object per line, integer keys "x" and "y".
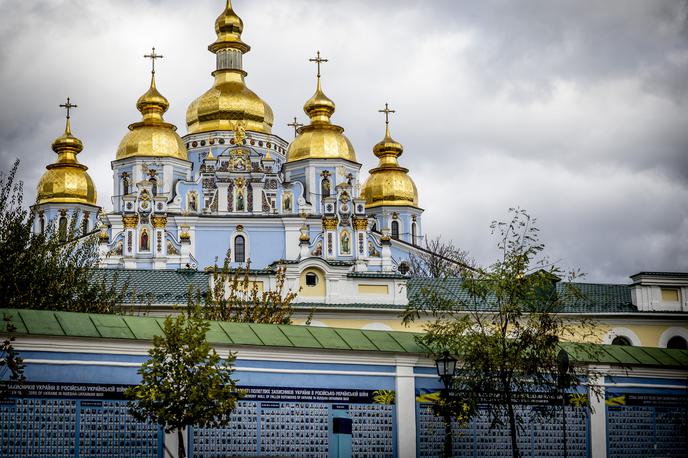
{"x": 239, "y": 249}
{"x": 670, "y": 295}
{"x": 62, "y": 228}
{"x": 677, "y": 343}
{"x": 395, "y": 229}
{"x": 414, "y": 234}
{"x": 622, "y": 341}
{"x": 311, "y": 279}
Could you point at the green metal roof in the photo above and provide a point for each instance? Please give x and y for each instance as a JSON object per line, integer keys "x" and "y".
{"x": 69, "y": 324}
{"x": 626, "y": 355}
{"x": 595, "y": 297}
{"x": 170, "y": 287}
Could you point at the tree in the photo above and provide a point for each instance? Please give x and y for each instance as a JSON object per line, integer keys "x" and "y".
{"x": 439, "y": 259}
{"x": 505, "y": 328}
{"x": 234, "y": 296}
{"x": 10, "y": 361}
{"x": 184, "y": 382}
{"x": 45, "y": 271}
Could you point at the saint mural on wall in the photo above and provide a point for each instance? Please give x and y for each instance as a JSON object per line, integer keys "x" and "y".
{"x": 240, "y": 201}
{"x": 192, "y": 202}
{"x": 145, "y": 242}
{"x": 345, "y": 243}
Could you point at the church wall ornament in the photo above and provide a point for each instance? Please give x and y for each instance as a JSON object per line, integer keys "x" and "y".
{"x": 329, "y": 224}
{"x": 130, "y": 221}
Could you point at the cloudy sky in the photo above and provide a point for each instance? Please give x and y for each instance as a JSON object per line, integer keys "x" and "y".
{"x": 574, "y": 110}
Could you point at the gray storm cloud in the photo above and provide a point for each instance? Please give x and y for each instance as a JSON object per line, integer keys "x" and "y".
{"x": 574, "y": 110}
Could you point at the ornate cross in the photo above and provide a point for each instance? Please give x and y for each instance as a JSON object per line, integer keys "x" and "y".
{"x": 387, "y": 111}
{"x": 318, "y": 61}
{"x": 152, "y": 56}
{"x": 68, "y": 106}
{"x": 295, "y": 125}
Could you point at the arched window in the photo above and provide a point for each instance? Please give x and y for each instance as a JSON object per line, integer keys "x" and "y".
{"x": 42, "y": 221}
{"x": 677, "y": 343}
{"x": 395, "y": 229}
{"x": 413, "y": 233}
{"x": 622, "y": 341}
{"x": 239, "y": 249}
{"x": 62, "y": 228}
{"x": 84, "y": 226}
{"x": 325, "y": 188}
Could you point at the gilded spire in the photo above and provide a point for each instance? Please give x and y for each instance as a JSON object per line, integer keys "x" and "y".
{"x": 152, "y": 104}
{"x": 229, "y": 100}
{"x": 319, "y": 108}
{"x": 66, "y": 180}
{"x": 320, "y": 139}
{"x": 152, "y": 136}
{"x": 67, "y": 146}
{"x": 388, "y": 150}
{"x": 228, "y": 27}
{"x": 389, "y": 184}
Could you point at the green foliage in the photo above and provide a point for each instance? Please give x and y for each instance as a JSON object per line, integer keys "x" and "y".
{"x": 235, "y": 296}
{"x": 504, "y": 327}
{"x": 53, "y": 270}
{"x": 185, "y": 382}
{"x": 439, "y": 259}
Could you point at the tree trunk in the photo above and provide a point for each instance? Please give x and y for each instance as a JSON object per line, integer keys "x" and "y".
{"x": 181, "y": 450}
{"x": 512, "y": 428}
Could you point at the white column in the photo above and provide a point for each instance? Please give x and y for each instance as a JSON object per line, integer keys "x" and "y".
{"x": 257, "y": 198}
{"x": 406, "y": 408}
{"x": 598, "y": 419}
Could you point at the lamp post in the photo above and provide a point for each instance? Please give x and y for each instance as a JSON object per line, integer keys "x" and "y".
{"x": 446, "y": 369}
{"x": 563, "y": 366}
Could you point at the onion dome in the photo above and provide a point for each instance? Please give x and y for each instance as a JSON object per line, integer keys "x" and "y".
{"x": 66, "y": 180}
{"x": 229, "y": 101}
{"x": 152, "y": 136}
{"x": 388, "y": 183}
{"x": 320, "y": 139}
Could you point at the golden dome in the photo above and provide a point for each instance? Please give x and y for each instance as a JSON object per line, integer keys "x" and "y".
{"x": 320, "y": 139}
{"x": 388, "y": 183}
{"x": 152, "y": 136}
{"x": 229, "y": 100}
{"x": 66, "y": 180}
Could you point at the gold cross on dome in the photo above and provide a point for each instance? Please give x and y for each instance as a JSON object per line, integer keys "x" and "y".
{"x": 387, "y": 111}
{"x": 318, "y": 60}
{"x": 295, "y": 125}
{"x": 68, "y": 106}
{"x": 152, "y": 56}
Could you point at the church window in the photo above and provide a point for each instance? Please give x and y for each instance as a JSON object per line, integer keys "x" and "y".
{"x": 62, "y": 228}
{"x": 413, "y": 233}
{"x": 677, "y": 343}
{"x": 42, "y": 222}
{"x": 239, "y": 249}
{"x": 404, "y": 267}
{"x": 311, "y": 279}
{"x": 325, "y": 188}
{"x": 622, "y": 341}
{"x": 395, "y": 230}
{"x": 84, "y": 226}
{"x": 154, "y": 186}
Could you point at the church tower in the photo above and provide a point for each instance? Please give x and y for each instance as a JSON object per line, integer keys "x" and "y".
{"x": 324, "y": 161}
{"x": 390, "y": 194}
{"x": 150, "y": 159}
{"x": 66, "y": 193}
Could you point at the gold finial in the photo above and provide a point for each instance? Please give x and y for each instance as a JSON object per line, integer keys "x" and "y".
{"x": 68, "y": 106}
{"x": 152, "y": 56}
{"x": 295, "y": 125}
{"x": 318, "y": 60}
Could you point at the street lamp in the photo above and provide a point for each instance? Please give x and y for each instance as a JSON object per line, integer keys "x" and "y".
{"x": 563, "y": 366}
{"x": 446, "y": 369}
